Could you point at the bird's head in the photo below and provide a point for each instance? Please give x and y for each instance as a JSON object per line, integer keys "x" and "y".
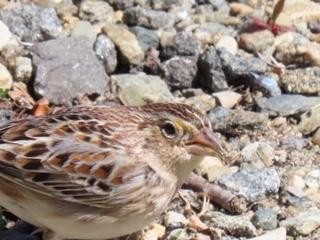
{"x": 185, "y": 129}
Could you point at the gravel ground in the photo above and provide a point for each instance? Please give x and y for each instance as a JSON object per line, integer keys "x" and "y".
{"x": 252, "y": 66}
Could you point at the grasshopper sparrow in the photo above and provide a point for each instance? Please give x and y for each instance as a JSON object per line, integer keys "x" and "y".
{"x": 100, "y": 172}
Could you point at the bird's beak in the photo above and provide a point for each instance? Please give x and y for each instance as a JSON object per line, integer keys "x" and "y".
{"x": 205, "y": 143}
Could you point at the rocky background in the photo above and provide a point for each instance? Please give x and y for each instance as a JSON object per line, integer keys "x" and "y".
{"x": 252, "y": 65}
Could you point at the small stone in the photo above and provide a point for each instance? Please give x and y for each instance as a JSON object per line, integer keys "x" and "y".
{"x": 278, "y": 121}
{"x": 121, "y": 4}
{"x": 265, "y": 83}
{"x": 265, "y": 218}
{"x": 31, "y": 22}
{"x": 66, "y": 10}
{"x": 5, "y": 78}
{"x": 178, "y": 234}
{"x": 312, "y": 182}
{"x": 195, "y": 223}
{"x": 277, "y": 234}
{"x": 240, "y": 67}
{"x": 256, "y": 42}
{"x": 310, "y": 121}
{"x": 210, "y": 32}
{"x": 23, "y": 69}
{"x": 259, "y": 154}
{"x": 316, "y": 137}
{"x": 127, "y": 43}
{"x": 213, "y": 168}
{"x": 5, "y": 35}
{"x": 294, "y": 48}
{"x": 304, "y": 223}
{"x": 148, "y": 18}
{"x": 295, "y": 143}
{"x": 64, "y": 70}
{"x": 229, "y": 43}
{"x": 147, "y": 38}
{"x": 211, "y": 75}
{"x": 227, "y": 99}
{"x": 200, "y": 236}
{"x": 238, "y": 226}
{"x": 174, "y": 220}
{"x": 134, "y": 89}
{"x": 240, "y": 9}
{"x": 179, "y": 72}
{"x": 96, "y": 12}
{"x": 183, "y": 44}
{"x": 158, "y": 229}
{"x": 302, "y": 80}
{"x": 85, "y": 29}
{"x": 106, "y": 52}
{"x": 253, "y": 185}
{"x": 287, "y": 104}
{"x": 227, "y": 120}
{"x": 297, "y": 183}
{"x": 298, "y": 10}
{"x": 203, "y": 102}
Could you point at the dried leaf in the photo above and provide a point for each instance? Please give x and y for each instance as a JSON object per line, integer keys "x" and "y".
{"x": 20, "y": 96}
{"x": 41, "y": 107}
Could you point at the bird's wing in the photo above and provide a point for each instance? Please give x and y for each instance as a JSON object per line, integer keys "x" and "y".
{"x": 73, "y": 155}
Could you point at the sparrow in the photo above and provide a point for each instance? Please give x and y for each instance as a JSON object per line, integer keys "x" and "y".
{"x": 100, "y": 172}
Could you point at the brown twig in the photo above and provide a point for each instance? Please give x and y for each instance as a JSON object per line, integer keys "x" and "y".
{"x": 217, "y": 195}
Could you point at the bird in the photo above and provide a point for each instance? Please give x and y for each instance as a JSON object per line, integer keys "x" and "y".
{"x": 100, "y": 172}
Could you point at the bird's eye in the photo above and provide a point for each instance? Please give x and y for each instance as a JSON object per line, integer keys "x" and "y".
{"x": 169, "y": 130}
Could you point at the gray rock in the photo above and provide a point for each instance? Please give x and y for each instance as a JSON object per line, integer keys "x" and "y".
{"x": 208, "y": 32}
{"x": 106, "y": 52}
{"x": 96, "y": 12}
{"x": 67, "y": 68}
{"x": 258, "y": 155}
{"x": 211, "y": 75}
{"x": 239, "y": 68}
{"x": 183, "y": 44}
{"x": 266, "y": 83}
{"x": 84, "y": 29}
{"x": 286, "y": 105}
{"x": 278, "y": 234}
{"x": 6, "y": 114}
{"x": 31, "y": 22}
{"x": 304, "y": 223}
{"x": 238, "y": 226}
{"x": 179, "y": 72}
{"x": 121, "y": 4}
{"x": 265, "y": 218}
{"x": 302, "y": 80}
{"x": 147, "y": 38}
{"x": 310, "y": 120}
{"x": 179, "y": 234}
{"x": 148, "y": 18}
{"x": 23, "y": 69}
{"x": 218, "y": 4}
{"x": 166, "y": 4}
{"x": 174, "y": 220}
{"x": 134, "y": 89}
{"x": 127, "y": 43}
{"x": 295, "y": 143}
{"x": 253, "y": 185}
{"x": 203, "y": 102}
{"x": 234, "y": 121}
{"x": 294, "y": 48}
{"x": 5, "y": 35}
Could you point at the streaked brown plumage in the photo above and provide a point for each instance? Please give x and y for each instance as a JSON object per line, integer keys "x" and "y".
{"x": 100, "y": 172}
